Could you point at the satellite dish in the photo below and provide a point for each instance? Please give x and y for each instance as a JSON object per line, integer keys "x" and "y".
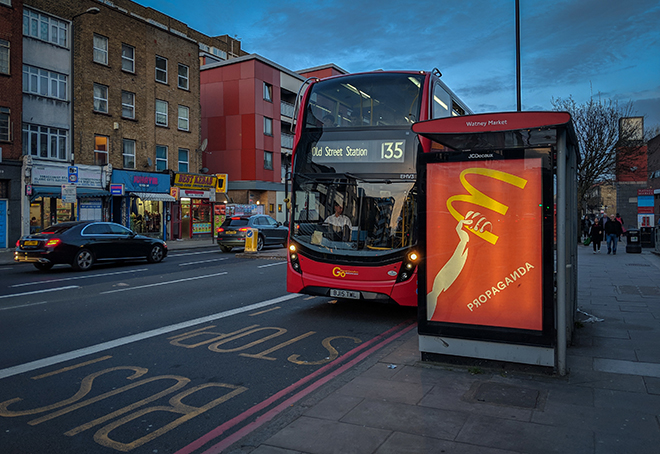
{"x": 205, "y": 143}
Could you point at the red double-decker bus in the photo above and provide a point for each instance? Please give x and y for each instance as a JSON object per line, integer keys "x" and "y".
{"x": 353, "y": 189}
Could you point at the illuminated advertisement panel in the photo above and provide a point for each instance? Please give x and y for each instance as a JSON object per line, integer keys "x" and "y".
{"x": 484, "y": 243}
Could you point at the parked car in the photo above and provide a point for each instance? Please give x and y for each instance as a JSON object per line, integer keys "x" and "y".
{"x": 82, "y": 243}
{"x": 233, "y": 231}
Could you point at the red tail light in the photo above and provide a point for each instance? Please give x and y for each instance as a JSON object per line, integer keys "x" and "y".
{"x": 243, "y": 229}
{"x": 18, "y": 243}
{"x": 220, "y": 229}
{"x": 53, "y": 243}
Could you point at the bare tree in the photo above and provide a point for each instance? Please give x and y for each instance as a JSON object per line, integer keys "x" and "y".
{"x": 603, "y": 141}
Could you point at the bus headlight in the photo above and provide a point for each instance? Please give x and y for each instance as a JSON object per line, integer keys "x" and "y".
{"x": 293, "y": 258}
{"x": 408, "y": 267}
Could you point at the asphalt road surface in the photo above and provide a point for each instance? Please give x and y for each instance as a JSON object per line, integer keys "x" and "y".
{"x": 190, "y": 355}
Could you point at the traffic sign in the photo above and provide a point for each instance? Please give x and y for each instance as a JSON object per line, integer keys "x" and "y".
{"x": 73, "y": 174}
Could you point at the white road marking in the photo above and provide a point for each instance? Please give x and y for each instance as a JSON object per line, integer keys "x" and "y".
{"x": 193, "y": 253}
{"x": 271, "y": 264}
{"x": 22, "y": 305}
{"x": 163, "y": 283}
{"x": 40, "y": 291}
{"x": 38, "y": 364}
{"x": 203, "y": 261}
{"x": 85, "y": 276}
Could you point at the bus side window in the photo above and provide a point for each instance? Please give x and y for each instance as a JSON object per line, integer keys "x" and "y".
{"x": 441, "y": 102}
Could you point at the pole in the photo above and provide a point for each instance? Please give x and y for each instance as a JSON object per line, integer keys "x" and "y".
{"x": 518, "y": 84}
{"x": 562, "y": 264}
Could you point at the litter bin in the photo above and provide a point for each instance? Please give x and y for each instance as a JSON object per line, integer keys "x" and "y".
{"x": 633, "y": 243}
{"x": 647, "y": 236}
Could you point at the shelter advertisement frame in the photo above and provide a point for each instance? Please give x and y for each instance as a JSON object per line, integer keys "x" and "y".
{"x": 487, "y": 237}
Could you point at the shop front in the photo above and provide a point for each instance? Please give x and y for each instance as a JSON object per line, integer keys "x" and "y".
{"x": 192, "y": 215}
{"x": 43, "y": 204}
{"x": 141, "y": 201}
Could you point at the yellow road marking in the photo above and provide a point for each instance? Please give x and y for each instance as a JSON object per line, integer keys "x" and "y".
{"x": 66, "y": 369}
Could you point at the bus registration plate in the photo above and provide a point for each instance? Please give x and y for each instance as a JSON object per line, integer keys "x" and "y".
{"x": 344, "y": 294}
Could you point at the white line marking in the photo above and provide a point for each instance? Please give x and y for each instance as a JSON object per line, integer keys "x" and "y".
{"x": 40, "y": 291}
{"x": 163, "y": 283}
{"x": 38, "y": 364}
{"x": 271, "y": 264}
{"x": 192, "y": 253}
{"x": 86, "y": 276}
{"x": 22, "y": 305}
{"x": 203, "y": 261}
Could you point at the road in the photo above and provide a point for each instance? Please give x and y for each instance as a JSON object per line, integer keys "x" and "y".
{"x": 186, "y": 356}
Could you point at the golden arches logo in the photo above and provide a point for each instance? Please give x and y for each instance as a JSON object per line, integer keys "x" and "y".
{"x": 338, "y": 272}
{"x": 480, "y": 199}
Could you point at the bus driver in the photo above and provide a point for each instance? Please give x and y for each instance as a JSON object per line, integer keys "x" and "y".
{"x": 338, "y": 219}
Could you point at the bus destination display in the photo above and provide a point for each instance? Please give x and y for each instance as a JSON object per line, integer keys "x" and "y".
{"x": 367, "y": 151}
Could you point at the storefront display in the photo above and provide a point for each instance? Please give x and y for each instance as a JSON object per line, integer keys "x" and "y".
{"x": 197, "y": 194}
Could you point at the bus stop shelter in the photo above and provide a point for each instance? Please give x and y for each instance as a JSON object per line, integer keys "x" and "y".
{"x": 498, "y": 234}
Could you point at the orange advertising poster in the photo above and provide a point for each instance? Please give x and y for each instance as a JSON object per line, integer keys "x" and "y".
{"x": 484, "y": 223}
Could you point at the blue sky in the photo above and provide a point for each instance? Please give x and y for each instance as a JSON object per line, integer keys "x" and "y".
{"x": 573, "y": 48}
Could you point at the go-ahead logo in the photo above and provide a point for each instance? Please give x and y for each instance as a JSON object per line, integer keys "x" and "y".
{"x": 338, "y": 272}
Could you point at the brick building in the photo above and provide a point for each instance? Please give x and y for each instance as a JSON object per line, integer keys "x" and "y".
{"x": 11, "y": 102}
{"x": 130, "y": 102}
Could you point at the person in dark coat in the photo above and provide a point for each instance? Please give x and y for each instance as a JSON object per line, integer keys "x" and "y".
{"x": 613, "y": 230}
{"x": 596, "y": 234}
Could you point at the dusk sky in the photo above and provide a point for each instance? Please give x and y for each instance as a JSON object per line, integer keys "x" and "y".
{"x": 575, "y": 48}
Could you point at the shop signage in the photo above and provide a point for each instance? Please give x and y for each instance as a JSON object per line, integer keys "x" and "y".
{"x": 174, "y": 192}
{"x": 55, "y": 175}
{"x": 142, "y": 181}
{"x": 116, "y": 189}
{"x": 192, "y": 181}
{"x": 222, "y": 182}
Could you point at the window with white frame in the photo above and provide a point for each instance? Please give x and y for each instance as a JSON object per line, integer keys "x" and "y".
{"x": 101, "y": 150}
{"x": 268, "y": 160}
{"x": 100, "y": 49}
{"x": 161, "y": 157}
{"x": 44, "y": 142}
{"x": 161, "y": 69}
{"x": 128, "y": 58}
{"x": 161, "y": 112}
{"x": 128, "y": 150}
{"x": 127, "y": 104}
{"x": 184, "y": 114}
{"x": 183, "y": 76}
{"x": 268, "y": 92}
{"x": 268, "y": 126}
{"x": 4, "y": 57}
{"x": 100, "y": 98}
{"x": 6, "y": 2}
{"x": 44, "y": 83}
{"x": 44, "y": 27}
{"x": 5, "y": 124}
{"x": 183, "y": 160}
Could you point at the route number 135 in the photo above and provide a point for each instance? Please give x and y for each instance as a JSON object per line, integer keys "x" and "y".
{"x": 391, "y": 150}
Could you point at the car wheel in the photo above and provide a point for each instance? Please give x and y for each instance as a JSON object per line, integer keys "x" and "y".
{"x": 43, "y": 266}
{"x": 225, "y": 248}
{"x": 83, "y": 260}
{"x": 260, "y": 243}
{"x": 156, "y": 254}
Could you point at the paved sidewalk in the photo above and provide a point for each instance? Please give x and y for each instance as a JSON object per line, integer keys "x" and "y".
{"x": 608, "y": 403}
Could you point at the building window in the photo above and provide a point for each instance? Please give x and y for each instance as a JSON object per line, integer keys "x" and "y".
{"x": 44, "y": 142}
{"x": 100, "y": 98}
{"x": 268, "y": 126}
{"x": 184, "y": 114}
{"x": 100, "y": 49}
{"x": 6, "y": 2}
{"x": 161, "y": 112}
{"x": 161, "y": 69}
{"x": 271, "y": 208}
{"x": 44, "y": 27}
{"x": 268, "y": 92}
{"x": 183, "y": 76}
{"x": 100, "y": 150}
{"x": 128, "y": 58}
{"x": 129, "y": 153}
{"x": 268, "y": 160}
{"x": 44, "y": 83}
{"x": 4, "y": 56}
{"x": 183, "y": 160}
{"x": 161, "y": 157}
{"x": 127, "y": 104}
{"x": 5, "y": 122}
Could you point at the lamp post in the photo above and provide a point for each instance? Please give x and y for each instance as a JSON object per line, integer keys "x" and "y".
{"x": 92, "y": 10}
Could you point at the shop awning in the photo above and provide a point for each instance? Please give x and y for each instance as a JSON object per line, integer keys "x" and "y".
{"x": 154, "y": 196}
{"x": 56, "y": 192}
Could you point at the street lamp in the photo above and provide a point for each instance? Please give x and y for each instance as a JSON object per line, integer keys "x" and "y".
{"x": 92, "y": 10}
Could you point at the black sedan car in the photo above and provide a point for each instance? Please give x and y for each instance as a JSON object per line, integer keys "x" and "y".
{"x": 233, "y": 231}
{"x": 82, "y": 243}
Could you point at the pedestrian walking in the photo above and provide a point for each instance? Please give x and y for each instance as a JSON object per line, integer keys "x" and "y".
{"x": 596, "y": 235}
{"x": 613, "y": 231}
